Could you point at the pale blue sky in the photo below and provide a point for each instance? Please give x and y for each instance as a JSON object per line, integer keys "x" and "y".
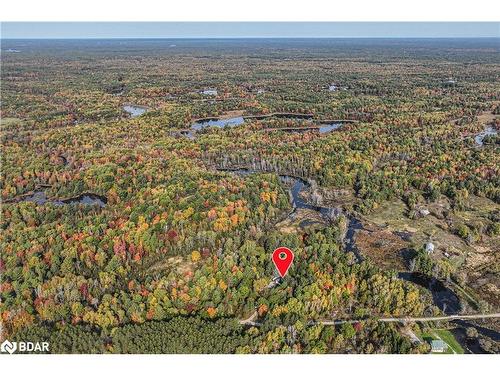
{"x": 28, "y": 30}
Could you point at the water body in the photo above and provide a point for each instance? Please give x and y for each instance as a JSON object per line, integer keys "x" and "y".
{"x": 492, "y": 334}
{"x": 350, "y": 237}
{"x": 219, "y": 123}
{"x": 469, "y": 344}
{"x": 288, "y": 115}
{"x": 297, "y": 186}
{"x": 134, "y": 110}
{"x": 443, "y": 297}
{"x": 235, "y": 121}
{"x": 449, "y": 303}
{"x": 327, "y": 128}
{"x": 39, "y": 197}
{"x": 488, "y": 131}
{"x": 87, "y": 199}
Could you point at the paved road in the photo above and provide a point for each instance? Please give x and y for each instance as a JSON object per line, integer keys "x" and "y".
{"x": 414, "y": 319}
{"x": 251, "y": 319}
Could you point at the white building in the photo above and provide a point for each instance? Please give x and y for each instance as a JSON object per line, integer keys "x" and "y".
{"x": 429, "y": 247}
{"x": 438, "y": 346}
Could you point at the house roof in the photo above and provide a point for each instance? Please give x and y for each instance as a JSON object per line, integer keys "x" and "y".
{"x": 438, "y": 344}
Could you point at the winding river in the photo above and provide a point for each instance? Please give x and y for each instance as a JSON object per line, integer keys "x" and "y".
{"x": 297, "y": 186}
{"x": 443, "y": 297}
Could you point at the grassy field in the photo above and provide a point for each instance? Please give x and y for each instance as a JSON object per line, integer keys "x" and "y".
{"x": 447, "y": 337}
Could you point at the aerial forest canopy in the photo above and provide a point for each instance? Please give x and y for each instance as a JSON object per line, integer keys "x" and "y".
{"x": 145, "y": 184}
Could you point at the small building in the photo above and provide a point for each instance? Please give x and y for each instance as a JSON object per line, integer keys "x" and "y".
{"x": 449, "y": 82}
{"x": 438, "y": 346}
{"x": 424, "y": 212}
{"x": 429, "y": 247}
{"x": 209, "y": 91}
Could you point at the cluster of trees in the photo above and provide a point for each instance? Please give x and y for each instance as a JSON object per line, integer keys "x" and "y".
{"x": 424, "y": 264}
{"x": 378, "y": 161}
{"x": 182, "y": 335}
{"x": 180, "y": 247}
{"x": 96, "y": 276}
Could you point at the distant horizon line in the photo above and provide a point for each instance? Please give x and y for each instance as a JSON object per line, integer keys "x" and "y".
{"x": 256, "y": 37}
{"x": 247, "y": 30}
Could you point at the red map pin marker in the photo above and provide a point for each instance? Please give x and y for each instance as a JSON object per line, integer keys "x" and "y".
{"x": 282, "y": 259}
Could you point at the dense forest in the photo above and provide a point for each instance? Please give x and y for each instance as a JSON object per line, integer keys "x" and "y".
{"x": 135, "y": 233}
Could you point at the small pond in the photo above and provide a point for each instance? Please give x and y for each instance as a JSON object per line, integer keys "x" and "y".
{"x": 488, "y": 131}
{"x": 40, "y": 197}
{"x": 327, "y": 128}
